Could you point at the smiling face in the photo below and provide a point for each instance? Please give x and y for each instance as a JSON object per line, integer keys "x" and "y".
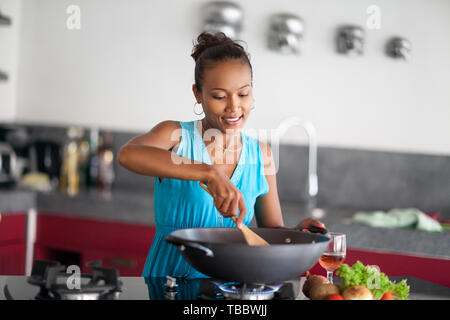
{"x": 226, "y": 95}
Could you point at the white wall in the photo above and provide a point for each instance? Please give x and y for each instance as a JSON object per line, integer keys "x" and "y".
{"x": 9, "y": 55}
{"x": 129, "y": 67}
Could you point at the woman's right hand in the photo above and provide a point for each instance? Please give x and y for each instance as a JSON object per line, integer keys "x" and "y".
{"x": 228, "y": 199}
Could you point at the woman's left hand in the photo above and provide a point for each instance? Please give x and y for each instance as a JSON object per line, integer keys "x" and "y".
{"x": 310, "y": 222}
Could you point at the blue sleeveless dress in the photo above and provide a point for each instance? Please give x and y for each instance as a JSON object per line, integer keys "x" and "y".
{"x": 180, "y": 204}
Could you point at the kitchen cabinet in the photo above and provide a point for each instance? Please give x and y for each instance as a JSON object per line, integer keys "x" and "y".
{"x": 75, "y": 240}
{"x": 13, "y": 244}
{"x": 12, "y": 259}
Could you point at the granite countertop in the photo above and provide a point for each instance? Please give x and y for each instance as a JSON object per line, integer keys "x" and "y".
{"x": 405, "y": 240}
{"x": 137, "y": 207}
{"x": 17, "y": 200}
{"x": 121, "y": 205}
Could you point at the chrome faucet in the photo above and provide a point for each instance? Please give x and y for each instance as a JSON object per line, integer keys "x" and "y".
{"x": 313, "y": 184}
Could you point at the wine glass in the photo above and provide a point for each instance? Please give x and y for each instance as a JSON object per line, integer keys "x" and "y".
{"x": 334, "y": 254}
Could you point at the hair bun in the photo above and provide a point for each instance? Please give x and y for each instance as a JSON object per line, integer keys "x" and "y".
{"x": 206, "y": 40}
{"x": 212, "y": 48}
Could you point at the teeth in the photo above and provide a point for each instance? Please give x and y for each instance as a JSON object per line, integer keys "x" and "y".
{"x": 231, "y": 119}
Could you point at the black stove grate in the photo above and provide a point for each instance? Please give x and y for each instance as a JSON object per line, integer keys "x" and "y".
{"x": 214, "y": 290}
{"x": 50, "y": 276}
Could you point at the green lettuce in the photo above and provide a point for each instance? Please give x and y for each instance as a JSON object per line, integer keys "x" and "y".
{"x": 377, "y": 282}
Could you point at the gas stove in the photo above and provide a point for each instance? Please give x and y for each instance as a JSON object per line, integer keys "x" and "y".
{"x": 51, "y": 281}
{"x": 56, "y": 282}
{"x": 170, "y": 288}
{"x": 139, "y": 288}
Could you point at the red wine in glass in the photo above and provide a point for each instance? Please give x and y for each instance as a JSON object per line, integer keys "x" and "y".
{"x": 334, "y": 255}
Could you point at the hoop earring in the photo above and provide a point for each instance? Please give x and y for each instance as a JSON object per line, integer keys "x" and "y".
{"x": 198, "y": 114}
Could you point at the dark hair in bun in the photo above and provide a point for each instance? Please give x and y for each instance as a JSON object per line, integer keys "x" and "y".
{"x": 211, "y": 48}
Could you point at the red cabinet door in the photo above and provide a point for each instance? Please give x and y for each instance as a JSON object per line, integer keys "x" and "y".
{"x": 12, "y": 244}
{"x": 120, "y": 245}
{"x": 66, "y": 232}
{"x": 12, "y": 259}
{"x": 13, "y": 228}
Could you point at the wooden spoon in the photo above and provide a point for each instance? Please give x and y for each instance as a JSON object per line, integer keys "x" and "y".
{"x": 251, "y": 237}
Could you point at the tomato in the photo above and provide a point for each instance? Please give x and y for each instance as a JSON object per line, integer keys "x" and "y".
{"x": 335, "y": 296}
{"x": 387, "y": 296}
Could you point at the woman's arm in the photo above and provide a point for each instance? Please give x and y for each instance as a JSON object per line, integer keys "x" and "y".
{"x": 267, "y": 208}
{"x": 149, "y": 154}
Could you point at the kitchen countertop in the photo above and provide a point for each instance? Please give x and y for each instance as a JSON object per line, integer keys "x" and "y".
{"x": 137, "y": 207}
{"x": 396, "y": 240}
{"x": 120, "y": 206}
{"x": 139, "y": 288}
{"x": 17, "y": 200}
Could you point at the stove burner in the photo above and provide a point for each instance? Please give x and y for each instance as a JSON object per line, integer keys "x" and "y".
{"x": 244, "y": 291}
{"x": 50, "y": 276}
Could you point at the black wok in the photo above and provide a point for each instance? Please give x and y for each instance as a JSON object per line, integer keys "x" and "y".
{"x": 222, "y": 253}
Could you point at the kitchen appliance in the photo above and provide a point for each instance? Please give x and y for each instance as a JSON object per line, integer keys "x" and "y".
{"x": 18, "y": 138}
{"x": 166, "y": 288}
{"x": 53, "y": 282}
{"x": 45, "y": 157}
{"x": 243, "y": 291}
{"x": 14, "y": 143}
{"x": 8, "y": 165}
{"x": 170, "y": 288}
{"x": 222, "y": 253}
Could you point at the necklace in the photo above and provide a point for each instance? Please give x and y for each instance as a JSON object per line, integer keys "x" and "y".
{"x": 213, "y": 145}
{"x": 227, "y": 149}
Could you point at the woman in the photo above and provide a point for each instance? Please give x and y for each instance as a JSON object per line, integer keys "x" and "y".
{"x": 237, "y": 169}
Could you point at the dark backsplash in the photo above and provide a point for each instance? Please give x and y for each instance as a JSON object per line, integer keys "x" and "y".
{"x": 348, "y": 178}
{"x": 126, "y": 179}
{"x": 367, "y": 180}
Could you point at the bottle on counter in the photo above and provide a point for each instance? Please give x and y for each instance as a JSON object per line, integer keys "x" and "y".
{"x": 83, "y": 160}
{"x": 70, "y": 177}
{"x": 92, "y": 168}
{"x": 106, "y": 173}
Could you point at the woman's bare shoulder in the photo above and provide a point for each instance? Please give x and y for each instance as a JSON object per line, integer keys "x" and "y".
{"x": 166, "y": 134}
{"x": 266, "y": 151}
{"x": 167, "y": 126}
